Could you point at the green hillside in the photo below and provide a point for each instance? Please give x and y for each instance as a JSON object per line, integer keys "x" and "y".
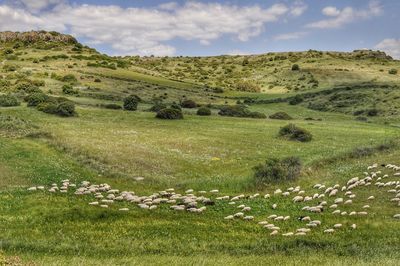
{"x": 65, "y": 121}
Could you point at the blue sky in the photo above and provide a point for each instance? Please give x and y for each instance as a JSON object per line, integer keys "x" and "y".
{"x": 209, "y": 27}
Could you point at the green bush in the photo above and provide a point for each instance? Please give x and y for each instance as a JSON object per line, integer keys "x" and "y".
{"x": 66, "y": 109}
{"x": 204, "y": 111}
{"x": 48, "y": 107}
{"x": 8, "y": 101}
{"x": 131, "y": 103}
{"x": 34, "y": 99}
{"x": 256, "y": 115}
{"x": 372, "y": 112}
{"x": 27, "y": 87}
{"x": 392, "y": 71}
{"x": 188, "y": 104}
{"x": 112, "y": 106}
{"x": 295, "y": 67}
{"x": 9, "y": 68}
{"x": 281, "y": 116}
{"x": 68, "y": 89}
{"x": 169, "y": 113}
{"x": 239, "y": 111}
{"x": 296, "y": 100}
{"x": 176, "y": 106}
{"x": 69, "y": 78}
{"x": 275, "y": 170}
{"x": 293, "y": 132}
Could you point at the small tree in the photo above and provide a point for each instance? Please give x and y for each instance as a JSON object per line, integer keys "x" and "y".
{"x": 293, "y": 132}
{"x": 204, "y": 111}
{"x": 170, "y": 114}
{"x": 392, "y": 71}
{"x": 188, "y": 104}
{"x": 276, "y": 170}
{"x": 131, "y": 102}
{"x": 295, "y": 67}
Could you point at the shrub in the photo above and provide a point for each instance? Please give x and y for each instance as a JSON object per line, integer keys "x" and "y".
{"x": 68, "y": 89}
{"x": 97, "y": 80}
{"x": 372, "y": 112}
{"x": 27, "y": 87}
{"x": 131, "y": 102}
{"x": 247, "y": 86}
{"x": 112, "y": 106}
{"x": 69, "y": 78}
{"x": 239, "y": 111}
{"x": 281, "y": 116}
{"x": 66, "y": 109}
{"x": 34, "y": 99}
{"x": 188, "y": 104}
{"x": 293, "y": 132}
{"x": 9, "y": 68}
{"x": 295, "y": 67}
{"x": 48, "y": 107}
{"x": 169, "y": 113}
{"x": 392, "y": 71}
{"x": 157, "y": 107}
{"x": 256, "y": 115}
{"x": 296, "y": 100}
{"x": 275, "y": 170}
{"x": 218, "y": 90}
{"x": 204, "y": 111}
{"x": 8, "y": 101}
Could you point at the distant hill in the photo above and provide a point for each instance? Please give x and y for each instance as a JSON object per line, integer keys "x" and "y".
{"x": 36, "y": 36}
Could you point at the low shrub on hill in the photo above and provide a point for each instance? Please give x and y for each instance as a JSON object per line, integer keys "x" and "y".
{"x": 36, "y": 98}
{"x": 275, "y": 170}
{"x": 296, "y": 100}
{"x": 131, "y": 103}
{"x": 188, "y": 104}
{"x": 69, "y": 78}
{"x": 239, "y": 111}
{"x": 295, "y": 67}
{"x": 112, "y": 106}
{"x": 68, "y": 89}
{"x": 392, "y": 71}
{"x": 52, "y": 105}
{"x": 8, "y": 101}
{"x": 204, "y": 111}
{"x": 293, "y": 132}
{"x": 169, "y": 114}
{"x": 27, "y": 87}
{"x": 281, "y": 116}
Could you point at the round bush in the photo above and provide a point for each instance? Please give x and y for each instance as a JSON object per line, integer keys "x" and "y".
{"x": 296, "y": 100}
{"x": 131, "y": 103}
{"x": 295, "y": 67}
{"x": 204, "y": 111}
{"x": 392, "y": 71}
{"x": 293, "y": 132}
{"x": 8, "y": 101}
{"x": 175, "y": 106}
{"x": 48, "y": 107}
{"x": 68, "y": 89}
{"x": 247, "y": 86}
{"x": 256, "y": 115}
{"x": 281, "y": 116}
{"x": 37, "y": 98}
{"x": 276, "y": 170}
{"x": 169, "y": 113}
{"x": 112, "y": 106}
{"x": 66, "y": 109}
{"x": 188, "y": 104}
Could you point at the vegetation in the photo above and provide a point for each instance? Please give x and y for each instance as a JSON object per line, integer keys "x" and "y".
{"x": 276, "y": 170}
{"x": 188, "y": 104}
{"x": 169, "y": 114}
{"x": 8, "y": 100}
{"x": 131, "y": 103}
{"x": 281, "y": 116}
{"x": 239, "y": 111}
{"x": 204, "y": 111}
{"x": 293, "y": 132}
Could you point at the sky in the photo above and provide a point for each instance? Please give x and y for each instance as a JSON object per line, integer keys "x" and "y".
{"x": 199, "y": 28}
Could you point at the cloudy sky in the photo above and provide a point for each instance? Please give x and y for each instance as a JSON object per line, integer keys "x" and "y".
{"x": 145, "y": 27}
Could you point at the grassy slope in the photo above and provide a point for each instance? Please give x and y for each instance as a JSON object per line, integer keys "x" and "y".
{"x": 114, "y": 146}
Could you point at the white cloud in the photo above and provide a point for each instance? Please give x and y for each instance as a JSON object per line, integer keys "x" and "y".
{"x": 298, "y": 8}
{"x": 331, "y": 11}
{"x": 290, "y": 36}
{"x": 346, "y": 15}
{"x": 145, "y": 30}
{"x": 37, "y": 5}
{"x": 390, "y": 46}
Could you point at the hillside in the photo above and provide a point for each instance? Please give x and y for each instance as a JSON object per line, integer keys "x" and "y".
{"x": 144, "y": 160}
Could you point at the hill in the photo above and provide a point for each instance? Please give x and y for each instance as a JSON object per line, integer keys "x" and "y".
{"x": 80, "y": 173}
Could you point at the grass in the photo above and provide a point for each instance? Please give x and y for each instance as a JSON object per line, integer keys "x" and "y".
{"x": 202, "y": 153}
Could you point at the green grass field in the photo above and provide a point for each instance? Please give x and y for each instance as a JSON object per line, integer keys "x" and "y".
{"x": 200, "y": 153}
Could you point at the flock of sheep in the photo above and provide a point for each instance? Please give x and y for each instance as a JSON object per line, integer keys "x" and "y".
{"x": 328, "y": 199}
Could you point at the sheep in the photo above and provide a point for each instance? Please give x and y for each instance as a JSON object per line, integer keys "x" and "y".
{"x": 267, "y": 196}
{"x": 396, "y": 216}
{"x": 248, "y": 218}
{"x": 366, "y": 207}
{"x": 229, "y": 217}
{"x": 263, "y": 223}
{"x": 272, "y": 216}
{"x": 124, "y": 209}
{"x": 336, "y": 212}
{"x": 306, "y": 218}
{"x": 329, "y": 230}
{"x": 274, "y": 206}
{"x": 353, "y": 226}
{"x": 297, "y": 199}
{"x": 94, "y": 203}
{"x": 214, "y": 191}
{"x": 371, "y": 198}
{"x": 362, "y": 213}
{"x": 275, "y": 232}
{"x": 338, "y": 200}
{"x": 32, "y": 189}
{"x": 246, "y": 209}
{"x": 104, "y": 206}
{"x": 288, "y": 234}
{"x": 277, "y": 191}
{"x": 300, "y": 234}
{"x": 238, "y": 215}
{"x": 303, "y": 230}
{"x": 347, "y": 202}
{"x": 336, "y": 226}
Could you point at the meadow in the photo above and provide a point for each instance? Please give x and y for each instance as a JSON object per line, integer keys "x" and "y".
{"x": 134, "y": 151}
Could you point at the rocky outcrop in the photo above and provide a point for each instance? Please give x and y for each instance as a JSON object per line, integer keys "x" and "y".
{"x": 36, "y": 36}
